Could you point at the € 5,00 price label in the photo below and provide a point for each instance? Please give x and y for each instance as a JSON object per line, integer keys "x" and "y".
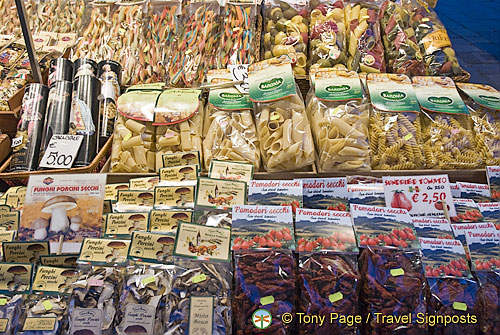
{"x": 61, "y": 151}
{"x": 420, "y": 195}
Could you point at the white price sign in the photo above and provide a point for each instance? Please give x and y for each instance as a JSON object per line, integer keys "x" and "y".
{"x": 17, "y": 141}
{"x": 61, "y": 151}
{"x": 240, "y": 72}
{"x": 420, "y": 195}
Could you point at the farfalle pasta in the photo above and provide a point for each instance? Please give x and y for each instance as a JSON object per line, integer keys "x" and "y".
{"x": 483, "y": 104}
{"x": 339, "y": 120}
{"x": 395, "y": 130}
{"x": 449, "y": 141}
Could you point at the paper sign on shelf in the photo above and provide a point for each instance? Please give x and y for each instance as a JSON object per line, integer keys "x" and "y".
{"x": 61, "y": 151}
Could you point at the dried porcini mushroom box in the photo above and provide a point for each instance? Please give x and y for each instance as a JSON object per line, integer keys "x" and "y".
{"x": 392, "y": 278}
{"x": 328, "y": 273}
{"x": 452, "y": 292}
{"x": 265, "y": 269}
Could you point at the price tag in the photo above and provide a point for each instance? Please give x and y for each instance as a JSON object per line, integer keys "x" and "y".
{"x": 267, "y": 300}
{"x": 240, "y": 72}
{"x": 47, "y": 305}
{"x": 460, "y": 306}
{"x": 17, "y": 141}
{"x": 420, "y": 195}
{"x": 335, "y": 297}
{"x": 148, "y": 280}
{"x": 3, "y": 301}
{"x": 61, "y": 151}
{"x": 397, "y": 272}
{"x": 199, "y": 278}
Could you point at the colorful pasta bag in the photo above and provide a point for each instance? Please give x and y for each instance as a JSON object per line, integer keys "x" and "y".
{"x": 327, "y": 34}
{"x": 339, "y": 114}
{"x": 328, "y": 278}
{"x": 286, "y": 32}
{"x": 395, "y": 133}
{"x": 239, "y": 35}
{"x": 435, "y": 45}
{"x": 402, "y": 51}
{"x": 483, "y": 103}
{"x": 286, "y": 142}
{"x": 449, "y": 141}
{"x": 366, "y": 50}
{"x": 231, "y": 133}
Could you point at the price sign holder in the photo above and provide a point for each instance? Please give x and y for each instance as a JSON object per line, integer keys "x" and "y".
{"x": 61, "y": 151}
{"x": 240, "y": 73}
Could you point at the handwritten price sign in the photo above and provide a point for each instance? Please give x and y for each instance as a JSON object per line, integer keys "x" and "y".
{"x": 61, "y": 151}
{"x": 420, "y": 195}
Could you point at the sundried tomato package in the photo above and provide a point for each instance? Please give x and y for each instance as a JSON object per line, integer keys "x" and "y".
{"x": 393, "y": 284}
{"x": 489, "y": 296}
{"x": 264, "y": 280}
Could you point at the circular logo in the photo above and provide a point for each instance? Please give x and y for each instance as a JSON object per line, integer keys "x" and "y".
{"x": 261, "y": 319}
{"x": 369, "y": 60}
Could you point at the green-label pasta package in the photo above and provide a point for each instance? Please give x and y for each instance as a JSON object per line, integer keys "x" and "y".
{"x": 395, "y": 133}
{"x": 483, "y": 103}
{"x": 283, "y": 128}
{"x": 449, "y": 141}
{"x": 231, "y": 134}
{"x": 339, "y": 120}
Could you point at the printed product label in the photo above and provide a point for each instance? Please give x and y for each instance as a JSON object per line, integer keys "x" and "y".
{"x": 151, "y": 247}
{"x": 493, "y": 174}
{"x": 276, "y": 193}
{"x": 176, "y": 105}
{"x": 392, "y": 92}
{"x": 228, "y": 98}
{"x": 467, "y": 211}
{"x": 323, "y": 230}
{"x": 326, "y": 193}
{"x": 438, "y": 94}
{"x": 337, "y": 85}
{"x": 102, "y": 251}
{"x": 201, "y": 316}
{"x": 179, "y": 173}
{"x": 24, "y": 252}
{"x": 112, "y": 190}
{"x": 139, "y": 319}
{"x": 143, "y": 103}
{"x": 167, "y": 221}
{"x": 230, "y": 171}
{"x": 216, "y": 193}
{"x": 444, "y": 258}
{"x": 15, "y": 277}
{"x": 3, "y": 324}
{"x": 9, "y": 220}
{"x": 483, "y": 95}
{"x": 366, "y": 194}
{"x": 455, "y": 190}
{"x": 135, "y": 200}
{"x": 86, "y": 319}
{"x": 174, "y": 196}
{"x": 7, "y": 236}
{"x": 144, "y": 184}
{"x": 182, "y": 158}
{"x": 435, "y": 41}
{"x": 122, "y": 224}
{"x": 262, "y": 227}
{"x": 63, "y": 261}
{"x": 39, "y": 324}
{"x": 491, "y": 212}
{"x": 54, "y": 280}
{"x": 107, "y": 207}
{"x": 203, "y": 242}
{"x": 383, "y": 226}
{"x": 484, "y": 248}
{"x": 476, "y": 192}
{"x": 433, "y": 228}
{"x": 270, "y": 80}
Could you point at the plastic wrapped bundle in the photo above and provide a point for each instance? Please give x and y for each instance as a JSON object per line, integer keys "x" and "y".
{"x": 11, "y": 311}
{"x": 401, "y": 48}
{"x": 489, "y": 293}
{"x": 52, "y": 307}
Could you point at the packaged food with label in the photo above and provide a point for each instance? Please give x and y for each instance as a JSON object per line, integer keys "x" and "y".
{"x": 401, "y": 46}
{"x": 142, "y": 306}
{"x": 10, "y": 311}
{"x": 239, "y": 34}
{"x": 197, "y": 43}
{"x": 286, "y": 32}
{"x": 283, "y": 127}
{"x": 489, "y": 294}
{"x": 339, "y": 113}
{"x": 364, "y": 43}
{"x": 231, "y": 134}
{"x": 10, "y": 85}
{"x": 449, "y": 141}
{"x": 200, "y": 299}
{"x": 109, "y": 73}
{"x": 433, "y": 40}
{"x": 483, "y": 103}
{"x": 327, "y": 34}
{"x": 395, "y": 132}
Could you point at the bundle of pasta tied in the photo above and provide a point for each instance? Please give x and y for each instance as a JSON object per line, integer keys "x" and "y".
{"x": 231, "y": 133}
{"x": 339, "y": 115}
{"x": 179, "y": 121}
{"x": 449, "y": 141}
{"x": 484, "y": 108}
{"x": 395, "y": 132}
{"x": 283, "y": 128}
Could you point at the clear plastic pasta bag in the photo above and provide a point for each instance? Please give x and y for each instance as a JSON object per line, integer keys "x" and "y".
{"x": 11, "y": 311}
{"x": 366, "y": 50}
{"x": 200, "y": 284}
{"x": 328, "y": 284}
{"x": 285, "y": 32}
{"x": 489, "y": 295}
{"x": 264, "y": 280}
{"x": 339, "y": 121}
{"x": 142, "y": 306}
{"x": 96, "y": 290}
{"x": 435, "y": 45}
{"x": 327, "y": 34}
{"x": 52, "y": 307}
{"x": 445, "y": 294}
{"x": 449, "y": 141}
{"x": 483, "y": 104}
{"x": 57, "y": 16}
{"x": 231, "y": 133}
{"x": 401, "y": 49}
{"x": 395, "y": 131}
